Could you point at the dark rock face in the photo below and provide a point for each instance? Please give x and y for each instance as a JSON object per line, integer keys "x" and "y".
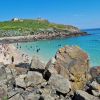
{"x": 71, "y": 63}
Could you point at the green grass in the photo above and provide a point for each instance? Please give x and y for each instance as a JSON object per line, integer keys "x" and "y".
{"x": 28, "y": 26}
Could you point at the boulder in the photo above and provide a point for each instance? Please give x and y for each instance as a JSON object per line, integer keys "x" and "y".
{"x": 48, "y": 91}
{"x": 17, "y": 97}
{"x": 72, "y": 63}
{"x": 95, "y": 73}
{"x": 13, "y": 92}
{"x": 34, "y": 78}
{"x": 82, "y": 95}
{"x": 94, "y": 88}
{"x": 11, "y": 72}
{"x": 3, "y": 93}
{"x": 59, "y": 83}
{"x": 96, "y": 93}
{"x": 50, "y": 66}
{"x": 20, "y": 81}
{"x": 2, "y": 71}
{"x": 37, "y": 64}
{"x": 46, "y": 97}
{"x": 33, "y": 96}
{"x": 15, "y": 76}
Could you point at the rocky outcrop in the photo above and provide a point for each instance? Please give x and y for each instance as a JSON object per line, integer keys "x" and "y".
{"x": 65, "y": 77}
{"x": 71, "y": 63}
{"x": 8, "y": 38}
{"x": 43, "y": 29}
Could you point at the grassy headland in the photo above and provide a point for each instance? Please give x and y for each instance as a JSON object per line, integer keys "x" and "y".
{"x": 31, "y": 27}
{"x": 37, "y": 29}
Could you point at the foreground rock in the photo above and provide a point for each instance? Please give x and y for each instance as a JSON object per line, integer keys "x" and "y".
{"x": 93, "y": 88}
{"x": 30, "y": 79}
{"x": 17, "y": 97}
{"x": 34, "y": 78}
{"x": 2, "y": 71}
{"x": 65, "y": 77}
{"x": 95, "y": 73}
{"x": 20, "y": 81}
{"x": 59, "y": 83}
{"x": 37, "y": 64}
{"x": 71, "y": 63}
{"x": 3, "y": 93}
{"x": 82, "y": 95}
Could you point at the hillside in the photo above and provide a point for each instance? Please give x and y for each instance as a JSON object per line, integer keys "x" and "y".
{"x": 20, "y": 27}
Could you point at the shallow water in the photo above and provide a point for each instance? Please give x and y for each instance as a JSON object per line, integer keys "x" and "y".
{"x": 48, "y": 48}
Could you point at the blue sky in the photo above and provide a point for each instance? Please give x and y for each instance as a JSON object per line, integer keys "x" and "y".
{"x": 81, "y": 13}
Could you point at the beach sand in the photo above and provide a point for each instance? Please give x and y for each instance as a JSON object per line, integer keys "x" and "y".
{"x": 7, "y": 51}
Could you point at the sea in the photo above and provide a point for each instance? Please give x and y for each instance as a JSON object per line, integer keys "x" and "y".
{"x": 46, "y": 49}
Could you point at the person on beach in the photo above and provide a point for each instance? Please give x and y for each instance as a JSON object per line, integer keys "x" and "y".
{"x": 17, "y": 44}
{"x": 12, "y": 59}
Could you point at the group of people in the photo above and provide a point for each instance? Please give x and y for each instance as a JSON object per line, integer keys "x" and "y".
{"x": 37, "y": 48}
{"x": 7, "y": 56}
{"x": 10, "y": 55}
{"x": 25, "y": 58}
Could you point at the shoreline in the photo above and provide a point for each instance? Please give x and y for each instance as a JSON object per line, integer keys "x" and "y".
{"x": 38, "y": 37}
{"x": 30, "y": 38}
{"x": 7, "y": 51}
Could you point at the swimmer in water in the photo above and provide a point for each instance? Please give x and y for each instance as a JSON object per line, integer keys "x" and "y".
{"x": 38, "y": 50}
{"x": 59, "y": 45}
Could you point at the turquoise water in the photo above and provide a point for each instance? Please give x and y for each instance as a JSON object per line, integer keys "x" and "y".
{"x": 48, "y": 48}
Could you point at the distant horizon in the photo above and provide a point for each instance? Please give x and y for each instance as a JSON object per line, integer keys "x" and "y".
{"x": 80, "y": 13}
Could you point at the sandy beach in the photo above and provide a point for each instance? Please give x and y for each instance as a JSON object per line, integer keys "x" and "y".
{"x": 7, "y": 51}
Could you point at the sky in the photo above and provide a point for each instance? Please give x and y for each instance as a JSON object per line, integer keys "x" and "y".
{"x": 80, "y": 13}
